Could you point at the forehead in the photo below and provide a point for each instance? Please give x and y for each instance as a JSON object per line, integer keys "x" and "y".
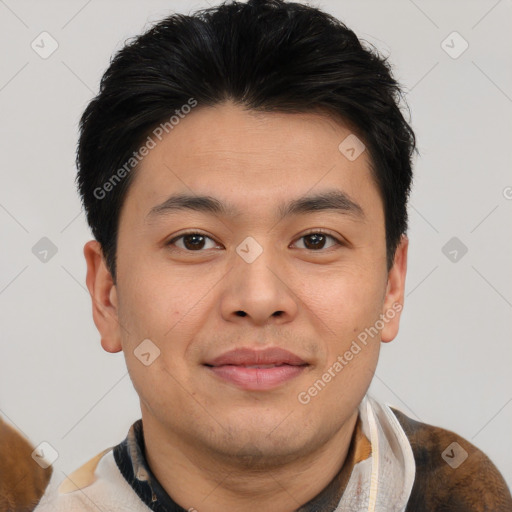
{"x": 244, "y": 157}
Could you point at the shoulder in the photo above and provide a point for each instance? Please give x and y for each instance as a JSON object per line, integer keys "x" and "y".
{"x": 451, "y": 473}
{"x": 96, "y": 485}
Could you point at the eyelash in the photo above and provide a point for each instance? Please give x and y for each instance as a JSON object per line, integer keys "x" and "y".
{"x": 312, "y": 232}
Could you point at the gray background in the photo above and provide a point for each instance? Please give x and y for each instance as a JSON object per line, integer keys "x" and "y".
{"x": 450, "y": 364}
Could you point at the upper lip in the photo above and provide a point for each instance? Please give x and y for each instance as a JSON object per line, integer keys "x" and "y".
{"x": 251, "y": 357}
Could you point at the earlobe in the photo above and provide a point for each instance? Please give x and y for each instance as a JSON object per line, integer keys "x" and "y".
{"x": 104, "y": 297}
{"x": 395, "y": 292}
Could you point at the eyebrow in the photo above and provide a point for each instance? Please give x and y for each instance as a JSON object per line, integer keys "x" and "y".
{"x": 330, "y": 200}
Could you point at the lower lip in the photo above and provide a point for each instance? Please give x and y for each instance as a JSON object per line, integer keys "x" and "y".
{"x": 256, "y": 379}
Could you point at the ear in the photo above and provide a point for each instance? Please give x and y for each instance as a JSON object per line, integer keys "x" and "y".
{"x": 104, "y": 297}
{"x": 394, "y": 298}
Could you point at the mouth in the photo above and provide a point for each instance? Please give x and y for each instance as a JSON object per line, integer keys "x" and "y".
{"x": 261, "y": 365}
{"x": 257, "y": 370}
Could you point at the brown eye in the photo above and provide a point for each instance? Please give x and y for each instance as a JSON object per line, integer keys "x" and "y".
{"x": 190, "y": 241}
{"x": 317, "y": 240}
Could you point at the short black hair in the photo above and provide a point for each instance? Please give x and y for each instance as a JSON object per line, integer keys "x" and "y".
{"x": 266, "y": 55}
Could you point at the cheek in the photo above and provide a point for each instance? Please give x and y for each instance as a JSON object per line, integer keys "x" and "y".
{"x": 157, "y": 310}
{"x": 346, "y": 300}
{"x": 154, "y": 300}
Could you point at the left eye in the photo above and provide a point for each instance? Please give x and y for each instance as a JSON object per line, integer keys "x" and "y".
{"x": 318, "y": 239}
{"x": 196, "y": 241}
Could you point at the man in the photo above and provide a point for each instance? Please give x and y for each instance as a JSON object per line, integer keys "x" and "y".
{"x": 245, "y": 172}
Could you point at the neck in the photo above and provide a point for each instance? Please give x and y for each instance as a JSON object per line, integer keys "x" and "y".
{"x": 198, "y": 479}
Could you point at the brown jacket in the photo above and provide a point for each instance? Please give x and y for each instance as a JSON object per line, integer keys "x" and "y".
{"x": 475, "y": 485}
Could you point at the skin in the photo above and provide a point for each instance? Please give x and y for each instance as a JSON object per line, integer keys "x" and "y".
{"x": 212, "y": 445}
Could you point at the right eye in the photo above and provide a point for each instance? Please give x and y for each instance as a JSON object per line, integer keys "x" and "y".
{"x": 192, "y": 241}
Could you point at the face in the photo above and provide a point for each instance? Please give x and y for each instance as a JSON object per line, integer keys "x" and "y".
{"x": 201, "y": 282}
